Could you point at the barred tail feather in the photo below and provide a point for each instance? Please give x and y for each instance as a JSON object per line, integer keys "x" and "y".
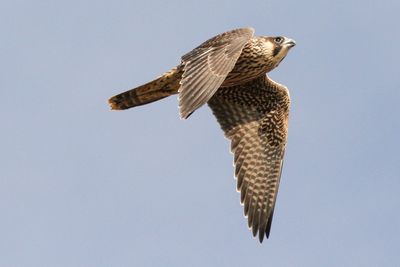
{"x": 166, "y": 85}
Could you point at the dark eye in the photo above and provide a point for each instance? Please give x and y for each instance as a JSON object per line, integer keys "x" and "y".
{"x": 278, "y": 40}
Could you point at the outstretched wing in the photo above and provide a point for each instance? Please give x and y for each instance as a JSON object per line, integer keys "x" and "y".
{"x": 254, "y": 116}
{"x": 206, "y": 67}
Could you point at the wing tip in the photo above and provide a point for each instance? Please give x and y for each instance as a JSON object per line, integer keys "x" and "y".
{"x": 185, "y": 114}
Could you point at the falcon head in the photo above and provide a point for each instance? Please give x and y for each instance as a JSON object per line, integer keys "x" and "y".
{"x": 276, "y": 49}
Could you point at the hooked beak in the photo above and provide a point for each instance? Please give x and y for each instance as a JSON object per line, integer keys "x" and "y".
{"x": 289, "y": 42}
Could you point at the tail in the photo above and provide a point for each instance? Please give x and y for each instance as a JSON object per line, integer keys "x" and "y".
{"x": 166, "y": 85}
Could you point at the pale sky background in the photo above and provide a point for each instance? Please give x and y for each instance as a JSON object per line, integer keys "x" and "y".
{"x": 83, "y": 186}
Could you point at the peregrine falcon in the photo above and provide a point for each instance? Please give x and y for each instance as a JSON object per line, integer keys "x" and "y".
{"x": 228, "y": 72}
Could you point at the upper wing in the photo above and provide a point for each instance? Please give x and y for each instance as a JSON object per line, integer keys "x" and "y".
{"x": 254, "y": 116}
{"x": 206, "y": 67}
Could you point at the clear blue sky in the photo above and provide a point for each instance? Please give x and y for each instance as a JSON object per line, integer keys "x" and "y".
{"x": 83, "y": 186}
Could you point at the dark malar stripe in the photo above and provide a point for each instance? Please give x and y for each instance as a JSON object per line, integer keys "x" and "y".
{"x": 276, "y": 50}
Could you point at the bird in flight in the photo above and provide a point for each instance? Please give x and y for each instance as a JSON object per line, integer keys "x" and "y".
{"x": 228, "y": 72}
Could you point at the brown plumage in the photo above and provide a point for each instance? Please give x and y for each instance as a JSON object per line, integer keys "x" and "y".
{"x": 228, "y": 72}
{"x": 163, "y": 86}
